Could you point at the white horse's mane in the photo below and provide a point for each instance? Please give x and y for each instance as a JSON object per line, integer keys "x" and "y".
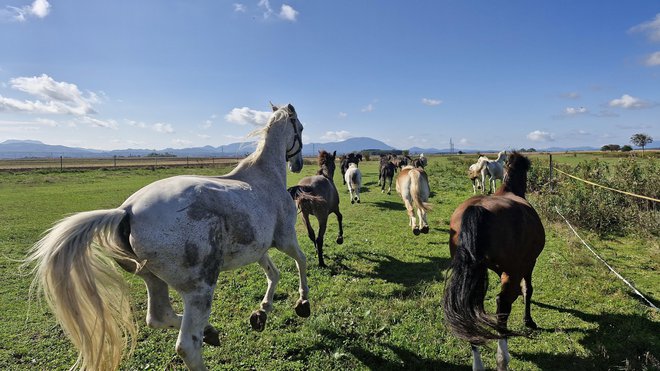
{"x": 261, "y": 132}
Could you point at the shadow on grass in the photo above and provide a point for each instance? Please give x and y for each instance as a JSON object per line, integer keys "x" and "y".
{"x": 408, "y": 274}
{"x": 362, "y": 351}
{"x": 622, "y": 341}
{"x": 389, "y": 205}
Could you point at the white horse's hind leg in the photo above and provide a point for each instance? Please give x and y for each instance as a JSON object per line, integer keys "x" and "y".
{"x": 160, "y": 313}
{"x": 477, "y": 365}
{"x": 423, "y": 223}
{"x": 302, "y": 305}
{"x": 258, "y": 317}
{"x": 503, "y": 356}
{"x": 196, "y": 312}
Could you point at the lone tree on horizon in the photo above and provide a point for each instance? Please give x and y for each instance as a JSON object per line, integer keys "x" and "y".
{"x": 641, "y": 140}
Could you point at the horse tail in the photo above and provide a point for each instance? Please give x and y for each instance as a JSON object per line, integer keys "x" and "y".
{"x": 417, "y": 181}
{"x": 75, "y": 271}
{"x": 466, "y": 287}
{"x": 304, "y": 195}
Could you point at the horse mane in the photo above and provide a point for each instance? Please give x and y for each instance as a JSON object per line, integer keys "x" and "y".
{"x": 261, "y": 132}
{"x": 323, "y": 157}
{"x": 516, "y": 175}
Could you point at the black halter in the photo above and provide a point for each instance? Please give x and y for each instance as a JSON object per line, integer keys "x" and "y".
{"x": 296, "y": 139}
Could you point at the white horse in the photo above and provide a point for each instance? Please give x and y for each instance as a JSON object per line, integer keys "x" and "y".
{"x": 178, "y": 232}
{"x": 353, "y": 179}
{"x": 413, "y": 186}
{"x": 474, "y": 173}
{"x": 495, "y": 170}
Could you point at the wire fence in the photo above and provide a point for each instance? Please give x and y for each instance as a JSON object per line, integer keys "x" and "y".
{"x": 62, "y": 163}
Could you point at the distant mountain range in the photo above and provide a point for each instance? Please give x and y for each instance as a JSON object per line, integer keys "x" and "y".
{"x": 33, "y": 148}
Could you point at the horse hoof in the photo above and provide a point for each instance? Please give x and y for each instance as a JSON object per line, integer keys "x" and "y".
{"x": 425, "y": 229}
{"x": 302, "y": 308}
{"x": 211, "y": 336}
{"x": 340, "y": 240}
{"x": 358, "y": 201}
{"x": 352, "y": 201}
{"x": 416, "y": 231}
{"x": 258, "y": 320}
{"x": 531, "y": 324}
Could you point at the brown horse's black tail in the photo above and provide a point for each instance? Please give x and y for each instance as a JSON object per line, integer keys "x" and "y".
{"x": 466, "y": 287}
{"x": 304, "y": 196}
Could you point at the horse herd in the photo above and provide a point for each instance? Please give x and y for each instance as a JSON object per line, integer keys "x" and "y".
{"x": 181, "y": 232}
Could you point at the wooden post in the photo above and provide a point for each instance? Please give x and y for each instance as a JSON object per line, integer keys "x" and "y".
{"x": 551, "y": 172}
{"x": 61, "y": 164}
{"x": 115, "y": 160}
{"x": 187, "y": 161}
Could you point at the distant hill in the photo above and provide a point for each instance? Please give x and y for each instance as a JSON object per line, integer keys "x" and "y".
{"x": 33, "y": 148}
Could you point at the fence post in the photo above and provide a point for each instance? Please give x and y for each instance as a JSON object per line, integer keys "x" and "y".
{"x": 551, "y": 172}
{"x": 115, "y": 160}
{"x": 187, "y": 161}
{"x": 61, "y": 164}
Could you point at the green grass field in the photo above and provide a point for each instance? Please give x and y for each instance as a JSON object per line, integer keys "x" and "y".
{"x": 377, "y": 306}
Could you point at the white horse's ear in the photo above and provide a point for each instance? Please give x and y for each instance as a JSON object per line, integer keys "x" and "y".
{"x": 274, "y": 107}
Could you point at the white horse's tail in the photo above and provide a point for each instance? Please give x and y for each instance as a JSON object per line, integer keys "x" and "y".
{"x": 416, "y": 180}
{"x": 89, "y": 297}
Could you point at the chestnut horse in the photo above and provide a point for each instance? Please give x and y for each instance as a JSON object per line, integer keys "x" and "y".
{"x": 178, "y": 232}
{"x": 413, "y": 186}
{"x": 503, "y": 233}
{"x": 318, "y": 196}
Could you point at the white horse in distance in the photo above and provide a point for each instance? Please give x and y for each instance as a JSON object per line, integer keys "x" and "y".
{"x": 495, "y": 170}
{"x": 413, "y": 186}
{"x": 474, "y": 173}
{"x": 353, "y": 179}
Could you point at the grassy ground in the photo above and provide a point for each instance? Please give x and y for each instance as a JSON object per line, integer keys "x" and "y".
{"x": 377, "y": 306}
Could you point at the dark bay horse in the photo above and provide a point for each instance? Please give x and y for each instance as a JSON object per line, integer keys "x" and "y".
{"x": 346, "y": 160}
{"x": 502, "y": 233}
{"x": 386, "y": 174}
{"x": 318, "y": 196}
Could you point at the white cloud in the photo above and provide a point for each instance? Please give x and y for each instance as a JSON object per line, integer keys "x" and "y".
{"x": 336, "y": 136}
{"x": 653, "y": 59}
{"x": 650, "y": 28}
{"x": 288, "y": 13}
{"x": 207, "y": 124}
{"x": 573, "y": 111}
{"x": 48, "y": 122}
{"x": 181, "y": 142}
{"x": 464, "y": 142}
{"x": 58, "y": 97}
{"x": 343, "y": 115}
{"x": 245, "y": 115}
{"x": 628, "y": 102}
{"x": 110, "y": 124}
{"x": 571, "y": 95}
{"x": 265, "y": 5}
{"x": 540, "y": 136}
{"x": 368, "y": 108}
{"x": 38, "y": 9}
{"x": 203, "y": 136}
{"x": 160, "y": 127}
{"x": 431, "y": 102}
{"x": 239, "y": 8}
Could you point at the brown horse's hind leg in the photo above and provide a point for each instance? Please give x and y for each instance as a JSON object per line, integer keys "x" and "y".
{"x": 323, "y": 222}
{"x": 509, "y": 292}
{"x": 340, "y": 237}
{"x": 527, "y": 296}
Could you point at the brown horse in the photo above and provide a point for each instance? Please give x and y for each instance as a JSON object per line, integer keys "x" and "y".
{"x": 318, "y": 196}
{"x": 503, "y": 233}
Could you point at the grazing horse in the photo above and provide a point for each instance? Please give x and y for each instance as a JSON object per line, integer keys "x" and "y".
{"x": 495, "y": 170}
{"x": 178, "y": 232}
{"x": 474, "y": 173}
{"x": 413, "y": 186}
{"x": 317, "y": 195}
{"x": 503, "y": 233}
{"x": 387, "y": 169}
{"x": 353, "y": 179}
{"x": 345, "y": 161}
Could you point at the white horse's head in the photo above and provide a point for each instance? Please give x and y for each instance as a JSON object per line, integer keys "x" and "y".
{"x": 294, "y": 128}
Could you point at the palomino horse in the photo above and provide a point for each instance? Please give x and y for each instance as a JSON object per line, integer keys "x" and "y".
{"x": 413, "y": 186}
{"x": 495, "y": 170}
{"x": 353, "y": 179}
{"x": 474, "y": 173}
{"x": 503, "y": 233}
{"x": 386, "y": 174}
{"x": 317, "y": 195}
{"x": 345, "y": 161}
{"x": 178, "y": 232}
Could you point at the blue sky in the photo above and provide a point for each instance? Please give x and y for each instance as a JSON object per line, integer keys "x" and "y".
{"x": 488, "y": 74}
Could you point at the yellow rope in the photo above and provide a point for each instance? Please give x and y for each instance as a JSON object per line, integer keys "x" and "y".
{"x": 611, "y": 189}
